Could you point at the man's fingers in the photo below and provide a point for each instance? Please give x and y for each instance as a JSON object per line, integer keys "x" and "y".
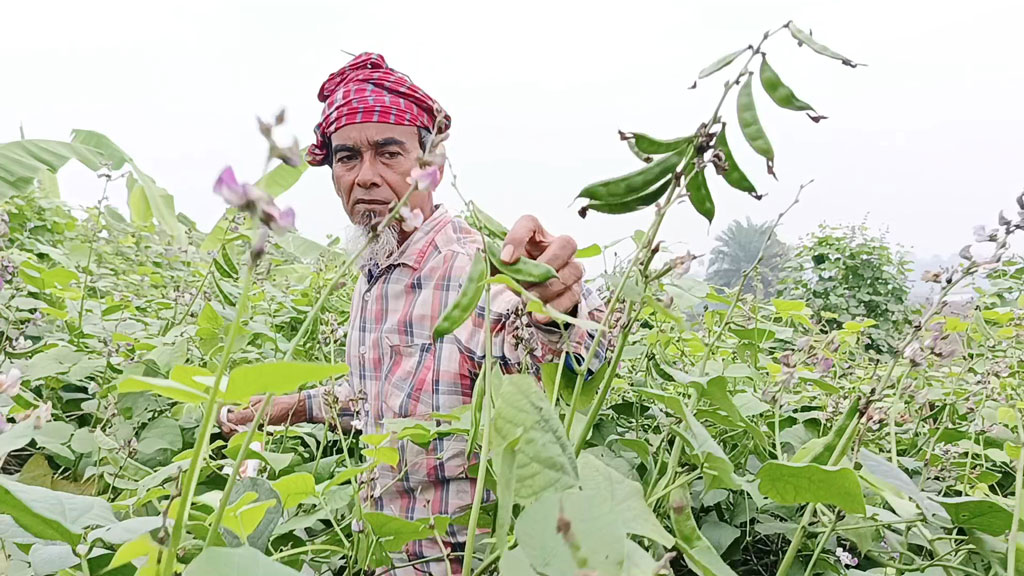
{"x": 526, "y": 231}
{"x": 568, "y": 275}
{"x": 559, "y": 252}
{"x": 564, "y": 302}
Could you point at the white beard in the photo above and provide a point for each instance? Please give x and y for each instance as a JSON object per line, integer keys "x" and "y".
{"x": 380, "y": 250}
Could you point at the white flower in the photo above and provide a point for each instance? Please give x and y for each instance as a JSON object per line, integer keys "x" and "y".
{"x": 42, "y": 414}
{"x": 357, "y": 424}
{"x": 411, "y": 219}
{"x": 845, "y": 558}
{"x": 10, "y": 383}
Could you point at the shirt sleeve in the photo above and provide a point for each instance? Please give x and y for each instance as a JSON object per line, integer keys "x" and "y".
{"x": 338, "y": 397}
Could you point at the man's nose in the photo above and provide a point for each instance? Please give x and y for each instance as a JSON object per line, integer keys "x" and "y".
{"x": 368, "y": 176}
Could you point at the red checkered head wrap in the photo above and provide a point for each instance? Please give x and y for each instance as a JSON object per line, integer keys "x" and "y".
{"x": 368, "y": 90}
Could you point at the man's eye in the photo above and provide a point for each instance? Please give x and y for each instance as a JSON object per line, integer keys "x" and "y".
{"x": 347, "y": 158}
{"x": 391, "y": 155}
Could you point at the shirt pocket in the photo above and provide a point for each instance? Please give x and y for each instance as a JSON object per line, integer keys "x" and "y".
{"x": 408, "y": 381}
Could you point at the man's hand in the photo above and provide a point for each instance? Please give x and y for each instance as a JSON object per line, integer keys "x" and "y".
{"x": 283, "y": 410}
{"x": 528, "y": 238}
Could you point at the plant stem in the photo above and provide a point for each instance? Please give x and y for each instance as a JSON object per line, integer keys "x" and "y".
{"x": 485, "y": 443}
{"x": 203, "y": 434}
{"x": 230, "y": 484}
{"x": 822, "y": 540}
{"x": 1011, "y": 540}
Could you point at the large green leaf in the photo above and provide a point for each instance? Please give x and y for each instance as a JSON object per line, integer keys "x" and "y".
{"x": 294, "y": 488}
{"x": 699, "y": 554}
{"x": 24, "y": 161}
{"x": 564, "y": 533}
{"x": 605, "y": 484}
{"x": 986, "y": 515}
{"x": 254, "y": 509}
{"x": 276, "y": 378}
{"x": 162, "y": 386}
{"x": 887, "y": 479}
{"x": 146, "y": 198}
{"x": 789, "y": 483}
{"x": 52, "y": 515}
{"x": 242, "y": 561}
{"x": 393, "y": 533}
{"x": 544, "y": 460}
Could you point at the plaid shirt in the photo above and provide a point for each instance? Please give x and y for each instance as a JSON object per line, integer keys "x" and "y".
{"x": 397, "y": 371}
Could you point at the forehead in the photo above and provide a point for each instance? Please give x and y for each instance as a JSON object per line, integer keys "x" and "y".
{"x": 368, "y": 133}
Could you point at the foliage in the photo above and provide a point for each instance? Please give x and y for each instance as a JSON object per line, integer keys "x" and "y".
{"x": 847, "y": 273}
{"x": 756, "y": 436}
{"x": 736, "y": 250}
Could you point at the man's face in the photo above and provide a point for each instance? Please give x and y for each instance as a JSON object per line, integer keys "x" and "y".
{"x": 371, "y": 164}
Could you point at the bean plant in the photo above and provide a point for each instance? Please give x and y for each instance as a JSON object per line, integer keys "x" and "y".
{"x": 724, "y": 434}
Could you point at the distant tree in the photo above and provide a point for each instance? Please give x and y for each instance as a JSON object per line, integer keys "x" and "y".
{"x": 737, "y": 249}
{"x": 847, "y": 273}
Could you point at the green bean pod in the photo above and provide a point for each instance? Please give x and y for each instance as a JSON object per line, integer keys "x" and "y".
{"x": 491, "y": 227}
{"x": 635, "y": 183}
{"x": 634, "y": 203}
{"x": 700, "y": 196}
{"x": 524, "y": 270}
{"x": 720, "y": 63}
{"x": 733, "y": 175}
{"x": 469, "y": 297}
{"x": 750, "y": 124}
{"x": 778, "y": 91}
{"x": 648, "y": 145}
{"x": 804, "y": 38}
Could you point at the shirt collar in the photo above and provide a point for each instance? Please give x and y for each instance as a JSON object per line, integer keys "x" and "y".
{"x": 417, "y": 246}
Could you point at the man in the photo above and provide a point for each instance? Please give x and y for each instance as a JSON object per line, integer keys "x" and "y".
{"x": 373, "y": 130}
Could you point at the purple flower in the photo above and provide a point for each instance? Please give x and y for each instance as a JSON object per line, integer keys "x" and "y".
{"x": 845, "y": 558}
{"x": 4, "y": 424}
{"x": 277, "y": 219}
{"x": 425, "y": 179}
{"x": 824, "y": 365}
{"x": 228, "y": 188}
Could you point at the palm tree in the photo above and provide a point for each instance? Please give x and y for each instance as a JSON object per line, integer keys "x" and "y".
{"x": 737, "y": 248}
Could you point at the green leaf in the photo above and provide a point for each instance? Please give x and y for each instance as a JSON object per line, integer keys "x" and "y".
{"x": 52, "y": 515}
{"x": 294, "y": 488}
{"x": 987, "y": 516}
{"x": 699, "y": 554}
{"x": 700, "y": 196}
{"x": 721, "y": 63}
{"x": 143, "y": 545}
{"x": 17, "y": 437}
{"x": 545, "y": 461}
{"x": 393, "y": 533}
{"x": 750, "y": 124}
{"x": 805, "y": 38}
{"x": 242, "y": 561}
{"x": 788, "y": 305}
{"x": 281, "y": 178}
{"x": 588, "y": 252}
{"x": 601, "y": 481}
{"x": 733, "y": 175}
{"x": 254, "y": 510}
{"x": 777, "y": 90}
{"x": 162, "y": 386}
{"x": 717, "y": 391}
{"x": 23, "y": 161}
{"x": 276, "y": 378}
{"x": 717, "y": 466}
{"x": 126, "y": 530}
{"x": 789, "y": 483}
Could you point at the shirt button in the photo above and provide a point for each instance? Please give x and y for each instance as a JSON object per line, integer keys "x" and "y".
{"x": 366, "y": 297}
{"x": 362, "y": 350}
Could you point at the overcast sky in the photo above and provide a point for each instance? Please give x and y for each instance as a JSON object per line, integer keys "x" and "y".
{"x": 925, "y": 141}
